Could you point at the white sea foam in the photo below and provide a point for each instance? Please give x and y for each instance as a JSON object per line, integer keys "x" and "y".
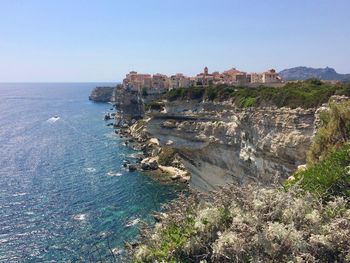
{"x": 53, "y": 119}
{"x": 110, "y": 173}
{"x": 135, "y": 155}
{"x": 90, "y": 169}
{"x": 80, "y": 217}
{"x": 117, "y": 251}
{"x": 4, "y": 240}
{"x": 132, "y": 222}
{"x": 19, "y": 194}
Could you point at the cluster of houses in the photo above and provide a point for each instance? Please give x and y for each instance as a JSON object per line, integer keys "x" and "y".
{"x": 159, "y": 83}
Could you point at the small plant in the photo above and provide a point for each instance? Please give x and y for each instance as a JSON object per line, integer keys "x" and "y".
{"x": 144, "y": 92}
{"x": 333, "y": 133}
{"x": 167, "y": 155}
{"x": 247, "y": 102}
{"x": 329, "y": 177}
{"x": 195, "y": 93}
{"x": 211, "y": 93}
{"x": 175, "y": 94}
{"x": 155, "y": 105}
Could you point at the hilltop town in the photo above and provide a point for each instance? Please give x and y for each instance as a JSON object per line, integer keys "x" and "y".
{"x": 159, "y": 83}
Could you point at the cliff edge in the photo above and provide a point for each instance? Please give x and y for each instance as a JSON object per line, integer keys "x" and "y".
{"x": 102, "y": 94}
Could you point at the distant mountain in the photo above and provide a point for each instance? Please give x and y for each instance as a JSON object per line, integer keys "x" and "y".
{"x": 302, "y": 73}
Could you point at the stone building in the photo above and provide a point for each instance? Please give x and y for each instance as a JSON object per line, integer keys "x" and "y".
{"x": 179, "y": 81}
{"x": 160, "y": 83}
{"x": 136, "y": 82}
{"x": 271, "y": 76}
{"x": 204, "y": 78}
{"x": 256, "y": 78}
{"x": 235, "y": 77}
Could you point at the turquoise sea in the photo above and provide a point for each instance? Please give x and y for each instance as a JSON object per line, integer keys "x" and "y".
{"x": 64, "y": 195}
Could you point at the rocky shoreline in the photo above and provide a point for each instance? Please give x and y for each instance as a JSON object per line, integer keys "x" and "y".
{"x": 129, "y": 124}
{"x": 148, "y": 161}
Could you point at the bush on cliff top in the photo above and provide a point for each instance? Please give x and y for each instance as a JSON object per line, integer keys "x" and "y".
{"x": 305, "y": 94}
{"x": 185, "y": 93}
{"x": 250, "y": 224}
{"x": 155, "y": 105}
{"x": 333, "y": 132}
{"x": 329, "y": 177}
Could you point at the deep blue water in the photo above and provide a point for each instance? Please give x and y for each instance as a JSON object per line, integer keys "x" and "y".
{"x": 64, "y": 195}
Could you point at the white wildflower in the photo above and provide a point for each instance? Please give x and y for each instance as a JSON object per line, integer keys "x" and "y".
{"x": 313, "y": 217}
{"x": 207, "y": 218}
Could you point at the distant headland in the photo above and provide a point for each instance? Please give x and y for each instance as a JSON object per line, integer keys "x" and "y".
{"x": 303, "y": 73}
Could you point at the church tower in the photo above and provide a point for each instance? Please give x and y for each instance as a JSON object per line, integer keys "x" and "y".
{"x": 206, "y": 71}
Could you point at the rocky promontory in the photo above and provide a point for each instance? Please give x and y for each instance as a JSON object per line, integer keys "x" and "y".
{"x": 102, "y": 94}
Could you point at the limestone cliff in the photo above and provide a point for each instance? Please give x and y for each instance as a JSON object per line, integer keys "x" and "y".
{"x": 128, "y": 103}
{"x": 102, "y": 94}
{"x": 220, "y": 143}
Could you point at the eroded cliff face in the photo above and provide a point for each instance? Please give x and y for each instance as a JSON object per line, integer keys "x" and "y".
{"x": 221, "y": 144}
{"x": 102, "y": 94}
{"x": 128, "y": 103}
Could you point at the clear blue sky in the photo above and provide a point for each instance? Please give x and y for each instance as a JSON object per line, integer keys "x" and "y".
{"x": 101, "y": 40}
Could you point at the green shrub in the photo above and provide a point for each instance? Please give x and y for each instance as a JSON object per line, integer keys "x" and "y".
{"x": 175, "y": 94}
{"x": 333, "y": 132}
{"x": 155, "y": 105}
{"x": 329, "y": 177}
{"x": 195, "y": 93}
{"x": 167, "y": 155}
{"x": 247, "y": 102}
{"x": 144, "y": 92}
{"x": 211, "y": 93}
{"x": 328, "y": 160}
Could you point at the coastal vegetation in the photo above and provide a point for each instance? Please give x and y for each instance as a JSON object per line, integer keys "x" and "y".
{"x": 333, "y": 132}
{"x": 305, "y": 94}
{"x": 144, "y": 92}
{"x": 328, "y": 160}
{"x": 155, "y": 105}
{"x": 167, "y": 155}
{"x": 250, "y": 224}
{"x": 328, "y": 177}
